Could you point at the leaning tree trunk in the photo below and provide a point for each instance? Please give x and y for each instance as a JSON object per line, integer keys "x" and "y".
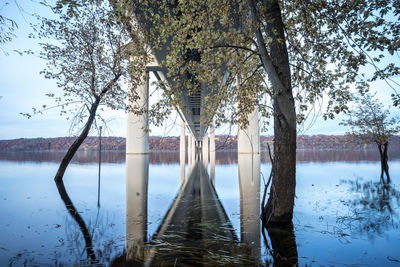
{"x": 76, "y": 144}
{"x": 383, "y": 148}
{"x": 279, "y": 208}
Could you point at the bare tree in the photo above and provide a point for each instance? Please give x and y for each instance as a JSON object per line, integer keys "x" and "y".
{"x": 370, "y": 123}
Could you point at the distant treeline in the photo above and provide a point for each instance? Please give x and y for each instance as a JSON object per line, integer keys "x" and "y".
{"x": 171, "y": 143}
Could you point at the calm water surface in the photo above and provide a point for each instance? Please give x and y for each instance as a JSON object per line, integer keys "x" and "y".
{"x": 344, "y": 215}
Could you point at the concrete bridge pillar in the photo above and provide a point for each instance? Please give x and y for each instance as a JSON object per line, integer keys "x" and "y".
{"x": 182, "y": 152}
{"x": 137, "y": 176}
{"x": 189, "y": 152}
{"x": 249, "y": 138}
{"x": 212, "y": 155}
{"x": 205, "y": 151}
{"x": 193, "y": 144}
{"x": 137, "y": 137}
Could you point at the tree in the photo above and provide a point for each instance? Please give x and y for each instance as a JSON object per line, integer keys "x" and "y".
{"x": 286, "y": 53}
{"x": 88, "y": 55}
{"x": 370, "y": 123}
{"x": 7, "y": 26}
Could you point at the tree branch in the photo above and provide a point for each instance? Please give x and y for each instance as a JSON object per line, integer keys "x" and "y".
{"x": 235, "y": 46}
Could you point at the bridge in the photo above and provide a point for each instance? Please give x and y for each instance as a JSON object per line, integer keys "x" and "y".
{"x": 196, "y": 216}
{"x": 196, "y": 119}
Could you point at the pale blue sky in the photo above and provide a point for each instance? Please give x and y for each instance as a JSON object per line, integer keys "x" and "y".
{"x": 22, "y": 87}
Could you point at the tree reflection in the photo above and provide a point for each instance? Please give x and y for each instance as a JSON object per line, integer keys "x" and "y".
{"x": 373, "y": 210}
{"x": 77, "y": 217}
{"x": 283, "y": 247}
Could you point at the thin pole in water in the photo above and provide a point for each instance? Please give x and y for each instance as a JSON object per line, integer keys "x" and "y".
{"x": 98, "y": 187}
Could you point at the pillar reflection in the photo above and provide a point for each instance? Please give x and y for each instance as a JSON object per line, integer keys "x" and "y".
{"x": 249, "y": 183}
{"x": 190, "y": 152}
{"x": 182, "y": 152}
{"x": 205, "y": 151}
{"x": 194, "y": 152}
{"x": 212, "y": 155}
{"x": 182, "y": 165}
{"x": 137, "y": 174}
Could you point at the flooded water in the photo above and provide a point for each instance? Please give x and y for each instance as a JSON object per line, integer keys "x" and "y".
{"x": 148, "y": 210}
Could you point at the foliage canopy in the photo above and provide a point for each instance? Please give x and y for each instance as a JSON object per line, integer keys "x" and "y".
{"x": 88, "y": 54}
{"x": 332, "y": 46}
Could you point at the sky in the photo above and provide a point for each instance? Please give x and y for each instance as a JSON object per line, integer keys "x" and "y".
{"x": 23, "y": 88}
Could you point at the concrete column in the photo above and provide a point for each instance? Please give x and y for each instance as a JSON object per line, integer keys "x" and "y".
{"x": 182, "y": 148}
{"x": 193, "y": 144}
{"x": 249, "y": 182}
{"x": 249, "y": 138}
{"x": 189, "y": 151}
{"x": 212, "y": 155}
{"x": 137, "y": 176}
{"x": 137, "y": 137}
{"x": 182, "y": 142}
{"x": 205, "y": 151}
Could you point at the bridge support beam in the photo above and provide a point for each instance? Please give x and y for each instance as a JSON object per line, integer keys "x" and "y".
{"x": 194, "y": 148}
{"x": 249, "y": 138}
{"x": 205, "y": 151}
{"x": 190, "y": 152}
{"x": 182, "y": 152}
{"x": 137, "y": 137}
{"x": 212, "y": 155}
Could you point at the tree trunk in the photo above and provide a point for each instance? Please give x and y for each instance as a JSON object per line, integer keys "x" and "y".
{"x": 77, "y": 217}
{"x": 76, "y": 144}
{"x": 279, "y": 208}
{"x": 383, "y": 148}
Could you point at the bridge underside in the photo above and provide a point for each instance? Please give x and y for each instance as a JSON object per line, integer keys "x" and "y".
{"x": 194, "y": 108}
{"x": 191, "y": 109}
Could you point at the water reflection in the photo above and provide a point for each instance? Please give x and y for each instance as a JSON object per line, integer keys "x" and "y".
{"x": 342, "y": 155}
{"x": 283, "y": 243}
{"x": 222, "y": 157}
{"x": 195, "y": 230}
{"x": 154, "y": 225}
{"x": 373, "y": 210}
{"x": 78, "y": 219}
{"x": 85, "y": 157}
{"x": 81, "y": 157}
{"x": 249, "y": 184}
{"x": 137, "y": 176}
